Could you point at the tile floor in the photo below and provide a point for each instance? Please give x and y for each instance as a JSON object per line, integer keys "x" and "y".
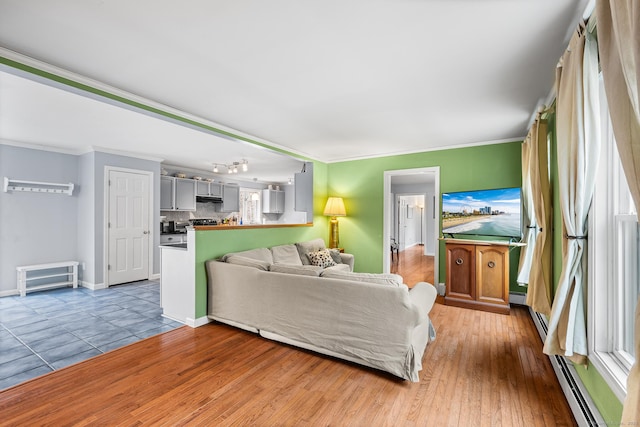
{"x": 49, "y": 330}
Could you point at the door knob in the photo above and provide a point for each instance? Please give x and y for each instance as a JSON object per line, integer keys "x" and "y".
{"x": 145, "y": 232}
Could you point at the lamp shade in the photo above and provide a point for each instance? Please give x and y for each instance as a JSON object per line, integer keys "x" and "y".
{"x": 335, "y": 207}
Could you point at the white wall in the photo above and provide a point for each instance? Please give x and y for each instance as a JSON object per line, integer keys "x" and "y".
{"x": 290, "y": 215}
{"x": 430, "y": 224}
{"x": 36, "y": 227}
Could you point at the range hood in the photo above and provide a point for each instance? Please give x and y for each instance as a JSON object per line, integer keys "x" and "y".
{"x": 209, "y": 199}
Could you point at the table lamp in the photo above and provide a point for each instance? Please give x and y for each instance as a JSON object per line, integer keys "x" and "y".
{"x": 334, "y": 209}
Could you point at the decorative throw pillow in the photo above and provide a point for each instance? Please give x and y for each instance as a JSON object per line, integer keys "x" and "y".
{"x": 321, "y": 258}
{"x": 335, "y": 255}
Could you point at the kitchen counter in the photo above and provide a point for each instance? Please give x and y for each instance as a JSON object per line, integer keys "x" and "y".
{"x": 247, "y": 226}
{"x": 180, "y": 246}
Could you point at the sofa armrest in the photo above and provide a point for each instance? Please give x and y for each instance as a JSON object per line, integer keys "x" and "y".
{"x": 423, "y": 295}
{"x": 348, "y": 259}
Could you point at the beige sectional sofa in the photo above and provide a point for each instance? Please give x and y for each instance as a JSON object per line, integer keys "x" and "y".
{"x": 370, "y": 319}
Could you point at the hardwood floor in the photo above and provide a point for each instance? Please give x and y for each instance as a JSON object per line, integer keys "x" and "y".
{"x": 483, "y": 369}
{"x": 413, "y": 265}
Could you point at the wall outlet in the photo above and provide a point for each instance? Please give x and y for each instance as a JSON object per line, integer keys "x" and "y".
{"x": 441, "y": 288}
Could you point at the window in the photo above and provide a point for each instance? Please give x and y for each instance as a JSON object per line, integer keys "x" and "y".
{"x": 250, "y": 206}
{"x": 613, "y": 265}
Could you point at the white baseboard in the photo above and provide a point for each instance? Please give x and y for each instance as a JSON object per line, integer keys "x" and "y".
{"x": 520, "y": 299}
{"x": 584, "y": 409}
{"x": 155, "y": 276}
{"x": 9, "y": 293}
{"x": 92, "y": 286}
{"x": 200, "y": 321}
{"x": 194, "y": 323}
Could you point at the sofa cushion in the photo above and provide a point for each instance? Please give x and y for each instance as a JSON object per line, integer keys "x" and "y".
{"x": 311, "y": 246}
{"x": 305, "y": 270}
{"x": 260, "y": 254}
{"x": 248, "y": 262}
{"x": 339, "y": 267}
{"x": 321, "y": 258}
{"x": 382, "y": 278}
{"x": 286, "y": 254}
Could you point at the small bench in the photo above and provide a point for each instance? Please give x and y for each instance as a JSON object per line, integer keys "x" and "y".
{"x": 67, "y": 277}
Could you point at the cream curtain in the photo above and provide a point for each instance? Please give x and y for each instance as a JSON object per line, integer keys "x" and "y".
{"x": 529, "y": 214}
{"x": 578, "y": 147}
{"x": 540, "y": 280}
{"x": 619, "y": 45}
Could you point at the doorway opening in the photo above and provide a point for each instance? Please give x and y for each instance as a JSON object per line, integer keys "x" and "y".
{"x": 411, "y": 223}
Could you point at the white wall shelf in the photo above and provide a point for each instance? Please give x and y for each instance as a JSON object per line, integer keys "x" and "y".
{"x": 37, "y": 187}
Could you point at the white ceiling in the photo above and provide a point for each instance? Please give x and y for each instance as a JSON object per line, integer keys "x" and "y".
{"x": 333, "y": 80}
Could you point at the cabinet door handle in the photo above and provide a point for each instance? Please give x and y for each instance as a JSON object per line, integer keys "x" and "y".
{"x": 459, "y": 261}
{"x": 491, "y": 264}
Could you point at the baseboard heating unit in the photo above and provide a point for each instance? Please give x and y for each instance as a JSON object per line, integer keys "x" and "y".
{"x": 583, "y": 408}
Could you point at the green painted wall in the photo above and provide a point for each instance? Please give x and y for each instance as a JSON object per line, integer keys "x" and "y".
{"x": 360, "y": 183}
{"x": 605, "y": 400}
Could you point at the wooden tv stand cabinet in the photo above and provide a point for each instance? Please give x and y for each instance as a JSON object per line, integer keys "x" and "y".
{"x": 478, "y": 274}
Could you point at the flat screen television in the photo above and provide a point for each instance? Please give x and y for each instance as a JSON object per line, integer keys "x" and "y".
{"x": 482, "y": 213}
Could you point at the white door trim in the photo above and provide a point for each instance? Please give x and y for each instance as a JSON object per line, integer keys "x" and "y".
{"x": 389, "y": 204}
{"x": 105, "y": 216}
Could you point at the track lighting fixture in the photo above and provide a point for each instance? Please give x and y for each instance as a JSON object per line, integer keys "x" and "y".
{"x": 233, "y": 167}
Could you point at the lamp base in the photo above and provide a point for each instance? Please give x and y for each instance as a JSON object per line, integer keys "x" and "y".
{"x": 334, "y": 234}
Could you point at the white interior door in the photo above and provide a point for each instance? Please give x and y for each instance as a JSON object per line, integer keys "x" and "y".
{"x": 128, "y": 227}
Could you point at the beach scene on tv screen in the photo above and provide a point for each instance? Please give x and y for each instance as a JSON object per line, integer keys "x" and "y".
{"x": 483, "y": 212}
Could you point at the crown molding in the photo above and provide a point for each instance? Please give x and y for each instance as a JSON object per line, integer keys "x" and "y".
{"x": 426, "y": 150}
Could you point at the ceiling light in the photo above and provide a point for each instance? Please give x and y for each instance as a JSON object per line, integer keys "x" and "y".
{"x": 245, "y": 165}
{"x": 215, "y": 168}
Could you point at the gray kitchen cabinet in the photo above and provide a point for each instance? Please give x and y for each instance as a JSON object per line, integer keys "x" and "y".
{"x": 215, "y": 189}
{"x": 185, "y": 194}
{"x": 230, "y": 198}
{"x": 167, "y": 193}
{"x": 272, "y": 201}
{"x": 202, "y": 188}
{"x": 209, "y": 189}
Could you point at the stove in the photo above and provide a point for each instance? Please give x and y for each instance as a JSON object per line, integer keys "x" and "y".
{"x": 203, "y": 221}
